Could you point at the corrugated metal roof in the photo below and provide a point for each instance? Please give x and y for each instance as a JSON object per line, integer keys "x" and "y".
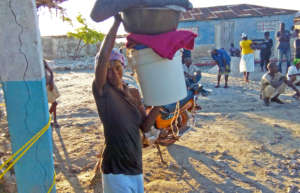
{"x": 232, "y": 11}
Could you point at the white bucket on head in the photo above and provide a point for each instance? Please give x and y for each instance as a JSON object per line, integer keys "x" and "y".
{"x": 162, "y": 81}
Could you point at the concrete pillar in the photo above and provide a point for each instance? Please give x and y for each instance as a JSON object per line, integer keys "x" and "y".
{"x": 23, "y": 79}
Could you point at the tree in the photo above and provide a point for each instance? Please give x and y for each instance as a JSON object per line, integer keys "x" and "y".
{"x": 84, "y": 34}
{"x": 50, "y": 4}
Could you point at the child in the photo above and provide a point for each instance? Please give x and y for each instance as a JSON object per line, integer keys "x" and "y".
{"x": 52, "y": 92}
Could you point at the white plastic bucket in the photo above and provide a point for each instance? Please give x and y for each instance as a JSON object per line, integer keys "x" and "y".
{"x": 256, "y": 55}
{"x": 162, "y": 81}
{"x": 235, "y": 66}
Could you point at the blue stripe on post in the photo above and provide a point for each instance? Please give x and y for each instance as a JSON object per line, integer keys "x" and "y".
{"x": 27, "y": 114}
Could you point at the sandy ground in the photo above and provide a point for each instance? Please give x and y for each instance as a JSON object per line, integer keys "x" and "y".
{"x": 236, "y": 146}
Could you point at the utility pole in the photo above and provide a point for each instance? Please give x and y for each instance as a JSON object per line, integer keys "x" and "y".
{"x": 23, "y": 79}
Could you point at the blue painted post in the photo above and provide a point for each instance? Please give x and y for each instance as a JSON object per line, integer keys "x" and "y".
{"x": 23, "y": 79}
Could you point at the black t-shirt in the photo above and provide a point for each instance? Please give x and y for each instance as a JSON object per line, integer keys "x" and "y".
{"x": 121, "y": 121}
{"x": 266, "y": 46}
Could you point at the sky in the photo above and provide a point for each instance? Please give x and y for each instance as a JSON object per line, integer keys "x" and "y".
{"x": 52, "y": 24}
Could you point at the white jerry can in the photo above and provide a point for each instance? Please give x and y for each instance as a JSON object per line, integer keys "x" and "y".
{"x": 162, "y": 80}
{"x": 257, "y": 55}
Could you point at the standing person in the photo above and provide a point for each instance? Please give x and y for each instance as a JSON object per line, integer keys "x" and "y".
{"x": 247, "y": 59}
{"x": 293, "y": 32}
{"x": 52, "y": 92}
{"x": 222, "y": 59}
{"x": 294, "y": 35}
{"x": 284, "y": 49}
{"x": 234, "y": 52}
{"x": 273, "y": 83}
{"x": 265, "y": 51}
{"x": 123, "y": 115}
{"x": 297, "y": 44}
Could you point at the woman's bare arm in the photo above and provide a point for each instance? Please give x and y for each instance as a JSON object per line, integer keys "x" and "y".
{"x": 290, "y": 84}
{"x": 102, "y": 59}
{"x": 150, "y": 119}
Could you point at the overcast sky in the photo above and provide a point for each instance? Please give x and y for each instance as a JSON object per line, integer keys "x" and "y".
{"x": 51, "y": 24}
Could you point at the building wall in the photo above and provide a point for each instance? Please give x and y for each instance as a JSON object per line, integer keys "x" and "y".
{"x": 55, "y": 47}
{"x": 209, "y": 37}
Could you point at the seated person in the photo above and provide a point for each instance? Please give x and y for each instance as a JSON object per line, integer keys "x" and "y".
{"x": 191, "y": 72}
{"x": 294, "y": 72}
{"x": 192, "y": 91}
{"x": 170, "y": 108}
{"x": 185, "y": 54}
{"x": 273, "y": 83}
{"x": 192, "y": 79}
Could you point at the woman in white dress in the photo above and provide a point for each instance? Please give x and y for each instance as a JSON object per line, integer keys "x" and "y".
{"x": 247, "y": 59}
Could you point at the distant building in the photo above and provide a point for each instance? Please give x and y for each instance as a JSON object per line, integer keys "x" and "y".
{"x": 222, "y": 25}
{"x": 56, "y": 47}
{"x": 62, "y": 47}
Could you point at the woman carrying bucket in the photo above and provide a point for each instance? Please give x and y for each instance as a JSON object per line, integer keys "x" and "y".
{"x": 123, "y": 116}
{"x": 247, "y": 59}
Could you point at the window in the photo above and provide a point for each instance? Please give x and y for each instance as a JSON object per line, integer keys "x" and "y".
{"x": 263, "y": 26}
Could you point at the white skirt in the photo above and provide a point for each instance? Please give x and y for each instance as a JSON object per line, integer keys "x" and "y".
{"x": 247, "y": 63}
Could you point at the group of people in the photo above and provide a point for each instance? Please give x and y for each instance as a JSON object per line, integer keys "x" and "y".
{"x": 247, "y": 47}
{"x": 286, "y": 40}
{"x": 222, "y": 58}
{"x": 273, "y": 82}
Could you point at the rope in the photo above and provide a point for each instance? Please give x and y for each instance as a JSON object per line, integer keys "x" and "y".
{"x": 194, "y": 110}
{"x": 175, "y": 118}
{"x": 21, "y": 152}
{"x": 53, "y": 183}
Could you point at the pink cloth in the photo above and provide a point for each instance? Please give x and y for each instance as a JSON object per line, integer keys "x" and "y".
{"x": 166, "y": 44}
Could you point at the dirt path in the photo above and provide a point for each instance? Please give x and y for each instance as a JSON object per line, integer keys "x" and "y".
{"x": 237, "y": 144}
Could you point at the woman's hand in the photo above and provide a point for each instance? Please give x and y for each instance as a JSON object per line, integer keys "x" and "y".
{"x": 118, "y": 18}
{"x": 150, "y": 119}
